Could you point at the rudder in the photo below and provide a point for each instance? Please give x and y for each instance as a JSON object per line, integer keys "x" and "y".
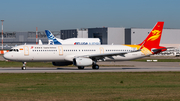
{"x": 153, "y": 39}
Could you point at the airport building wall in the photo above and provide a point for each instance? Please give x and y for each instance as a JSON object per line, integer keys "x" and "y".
{"x": 82, "y": 33}
{"x": 11, "y": 39}
{"x": 110, "y": 35}
{"x": 107, "y": 35}
{"x": 138, "y": 35}
{"x": 65, "y": 34}
{"x": 127, "y": 36}
{"x": 169, "y": 36}
{"x": 116, "y": 36}
{"x": 100, "y": 33}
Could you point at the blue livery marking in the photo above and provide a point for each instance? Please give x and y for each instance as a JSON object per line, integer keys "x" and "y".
{"x": 51, "y": 37}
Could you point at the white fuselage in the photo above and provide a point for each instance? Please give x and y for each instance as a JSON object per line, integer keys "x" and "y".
{"x": 52, "y": 53}
{"x": 80, "y": 41}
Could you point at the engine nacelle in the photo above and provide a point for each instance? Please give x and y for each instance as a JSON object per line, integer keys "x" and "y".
{"x": 82, "y": 61}
{"x": 62, "y": 63}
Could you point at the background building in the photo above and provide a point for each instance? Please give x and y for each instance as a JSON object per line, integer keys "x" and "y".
{"x": 11, "y": 39}
{"x": 107, "y": 35}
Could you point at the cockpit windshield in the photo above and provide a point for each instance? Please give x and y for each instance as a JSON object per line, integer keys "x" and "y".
{"x": 14, "y": 50}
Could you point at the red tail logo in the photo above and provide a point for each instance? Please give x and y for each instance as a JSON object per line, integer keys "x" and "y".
{"x": 154, "y": 37}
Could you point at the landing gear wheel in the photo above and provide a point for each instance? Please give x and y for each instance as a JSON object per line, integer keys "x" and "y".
{"x": 23, "y": 68}
{"x": 80, "y": 67}
{"x": 95, "y": 66}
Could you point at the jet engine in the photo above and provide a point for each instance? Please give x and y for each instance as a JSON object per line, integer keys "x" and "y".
{"x": 61, "y": 63}
{"x": 82, "y": 61}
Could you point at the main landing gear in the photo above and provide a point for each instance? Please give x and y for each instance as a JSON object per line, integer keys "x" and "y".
{"x": 24, "y": 66}
{"x": 95, "y": 66}
{"x": 80, "y": 67}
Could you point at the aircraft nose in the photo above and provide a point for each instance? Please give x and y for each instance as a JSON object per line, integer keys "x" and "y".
{"x": 6, "y": 56}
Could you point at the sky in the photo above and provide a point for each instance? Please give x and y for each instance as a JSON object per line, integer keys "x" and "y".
{"x": 55, "y": 15}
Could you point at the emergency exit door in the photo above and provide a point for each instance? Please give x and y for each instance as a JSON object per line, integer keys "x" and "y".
{"x": 26, "y": 50}
{"x": 101, "y": 50}
{"x": 60, "y": 50}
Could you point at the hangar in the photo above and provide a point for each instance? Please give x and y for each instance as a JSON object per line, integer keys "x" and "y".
{"x": 112, "y": 35}
{"x": 11, "y": 39}
{"x": 107, "y": 35}
{"x": 116, "y": 36}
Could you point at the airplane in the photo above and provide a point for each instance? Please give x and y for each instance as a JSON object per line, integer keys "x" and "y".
{"x": 87, "y": 55}
{"x": 52, "y": 40}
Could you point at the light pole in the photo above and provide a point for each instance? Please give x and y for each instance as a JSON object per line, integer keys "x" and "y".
{"x": 2, "y": 33}
{"x": 36, "y": 35}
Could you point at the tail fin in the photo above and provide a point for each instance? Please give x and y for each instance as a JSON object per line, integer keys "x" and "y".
{"x": 52, "y": 40}
{"x": 153, "y": 39}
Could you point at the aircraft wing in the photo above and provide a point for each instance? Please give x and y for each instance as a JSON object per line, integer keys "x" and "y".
{"x": 98, "y": 56}
{"x": 94, "y": 56}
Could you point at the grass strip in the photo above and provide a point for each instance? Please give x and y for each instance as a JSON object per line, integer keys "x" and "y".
{"x": 90, "y": 86}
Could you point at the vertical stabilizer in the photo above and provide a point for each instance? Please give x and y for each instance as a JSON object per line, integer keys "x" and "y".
{"x": 51, "y": 39}
{"x": 154, "y": 37}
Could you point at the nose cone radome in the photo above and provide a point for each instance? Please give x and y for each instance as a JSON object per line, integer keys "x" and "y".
{"x": 7, "y": 56}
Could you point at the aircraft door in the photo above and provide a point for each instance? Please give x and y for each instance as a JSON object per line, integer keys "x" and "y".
{"x": 26, "y": 50}
{"x": 60, "y": 50}
{"x": 101, "y": 50}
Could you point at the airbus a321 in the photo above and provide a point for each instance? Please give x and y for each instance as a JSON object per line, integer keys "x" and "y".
{"x": 86, "y": 55}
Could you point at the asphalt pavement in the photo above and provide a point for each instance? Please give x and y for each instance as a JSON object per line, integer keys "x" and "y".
{"x": 118, "y": 66}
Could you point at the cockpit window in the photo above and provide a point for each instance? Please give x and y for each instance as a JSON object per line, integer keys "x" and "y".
{"x": 14, "y": 50}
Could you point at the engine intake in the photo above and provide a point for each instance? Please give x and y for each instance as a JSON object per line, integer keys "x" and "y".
{"x": 82, "y": 61}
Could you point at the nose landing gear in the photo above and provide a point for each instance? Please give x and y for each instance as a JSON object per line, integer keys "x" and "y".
{"x": 24, "y": 66}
